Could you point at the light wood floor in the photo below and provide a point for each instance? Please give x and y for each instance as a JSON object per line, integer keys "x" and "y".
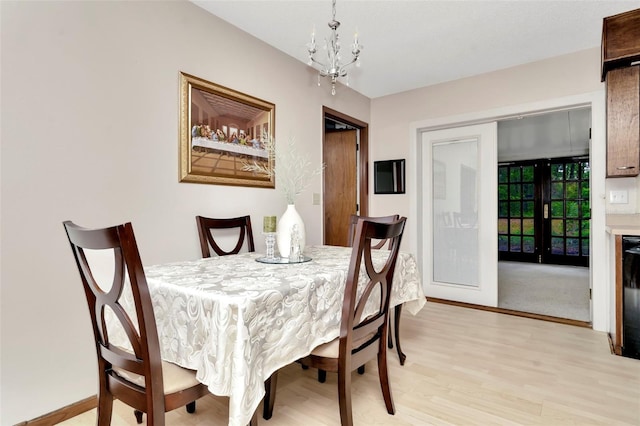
{"x": 464, "y": 367}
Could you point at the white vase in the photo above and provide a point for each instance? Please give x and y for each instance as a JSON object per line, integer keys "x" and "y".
{"x": 283, "y": 231}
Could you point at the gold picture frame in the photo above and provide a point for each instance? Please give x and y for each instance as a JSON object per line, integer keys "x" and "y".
{"x": 221, "y": 131}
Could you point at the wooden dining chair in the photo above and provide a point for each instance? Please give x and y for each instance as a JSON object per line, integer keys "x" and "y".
{"x": 361, "y": 339}
{"x": 395, "y": 331}
{"x": 353, "y": 221}
{"x": 137, "y": 375}
{"x": 207, "y": 225}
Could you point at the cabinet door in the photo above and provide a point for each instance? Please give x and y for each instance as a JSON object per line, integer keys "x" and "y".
{"x": 620, "y": 40}
{"x": 623, "y": 127}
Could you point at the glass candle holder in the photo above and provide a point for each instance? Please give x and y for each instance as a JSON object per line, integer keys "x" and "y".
{"x": 270, "y": 240}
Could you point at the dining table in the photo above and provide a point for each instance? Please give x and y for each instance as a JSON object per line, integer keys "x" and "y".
{"x": 235, "y": 320}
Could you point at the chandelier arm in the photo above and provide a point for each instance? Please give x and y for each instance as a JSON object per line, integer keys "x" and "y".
{"x": 318, "y": 62}
{"x": 334, "y": 69}
{"x": 355, "y": 58}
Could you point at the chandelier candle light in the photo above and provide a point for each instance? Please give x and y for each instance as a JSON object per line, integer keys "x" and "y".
{"x": 333, "y": 69}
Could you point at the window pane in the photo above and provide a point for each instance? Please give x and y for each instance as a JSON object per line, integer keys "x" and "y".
{"x": 527, "y": 209}
{"x": 514, "y": 208}
{"x": 557, "y": 191}
{"x": 585, "y": 247}
{"x": 557, "y": 227}
{"x": 572, "y": 209}
{"x": 586, "y": 170}
{"x": 516, "y": 227}
{"x": 514, "y": 174}
{"x": 586, "y": 212}
{"x": 573, "y": 246}
{"x": 585, "y": 229}
{"x": 455, "y": 254}
{"x": 528, "y": 245}
{"x": 573, "y": 228}
{"x": 585, "y": 190}
{"x": 503, "y": 209}
{"x": 557, "y": 246}
{"x": 503, "y": 226}
{"x": 527, "y": 173}
{"x": 572, "y": 170}
{"x": 503, "y": 192}
{"x": 503, "y": 243}
{"x": 528, "y": 191}
{"x": 528, "y": 227}
{"x": 514, "y": 191}
{"x": 503, "y": 174}
{"x": 556, "y": 172}
{"x": 572, "y": 190}
{"x": 514, "y": 244}
{"x": 557, "y": 209}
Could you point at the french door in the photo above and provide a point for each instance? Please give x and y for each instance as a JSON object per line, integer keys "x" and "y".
{"x": 544, "y": 212}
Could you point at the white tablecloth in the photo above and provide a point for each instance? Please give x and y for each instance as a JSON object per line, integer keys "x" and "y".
{"x": 236, "y": 320}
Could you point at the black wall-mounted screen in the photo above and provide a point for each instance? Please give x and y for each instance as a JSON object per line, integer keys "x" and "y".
{"x": 388, "y": 177}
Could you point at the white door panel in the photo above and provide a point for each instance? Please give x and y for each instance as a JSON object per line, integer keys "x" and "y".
{"x": 459, "y": 212}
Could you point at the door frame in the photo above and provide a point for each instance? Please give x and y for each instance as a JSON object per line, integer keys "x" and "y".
{"x": 363, "y": 158}
{"x": 599, "y": 274}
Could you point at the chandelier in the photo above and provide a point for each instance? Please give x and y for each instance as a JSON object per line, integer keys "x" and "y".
{"x": 333, "y": 69}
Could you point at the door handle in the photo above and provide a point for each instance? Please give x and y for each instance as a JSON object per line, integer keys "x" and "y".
{"x": 545, "y": 213}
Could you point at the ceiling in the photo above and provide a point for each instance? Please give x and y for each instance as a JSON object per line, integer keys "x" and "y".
{"x": 412, "y": 44}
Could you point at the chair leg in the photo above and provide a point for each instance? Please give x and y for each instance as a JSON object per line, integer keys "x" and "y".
{"x": 384, "y": 379}
{"x": 105, "y": 408}
{"x": 322, "y": 376}
{"x": 344, "y": 397}
{"x": 191, "y": 407}
{"x": 269, "y": 396}
{"x": 398, "y": 313}
{"x": 138, "y": 415}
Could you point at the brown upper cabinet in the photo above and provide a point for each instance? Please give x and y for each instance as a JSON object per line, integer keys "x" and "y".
{"x": 621, "y": 71}
{"x": 623, "y": 127}
{"x": 620, "y": 41}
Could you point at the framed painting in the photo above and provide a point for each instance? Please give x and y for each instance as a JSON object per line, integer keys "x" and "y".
{"x": 221, "y": 131}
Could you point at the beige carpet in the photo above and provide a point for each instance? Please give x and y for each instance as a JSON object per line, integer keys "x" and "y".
{"x": 555, "y": 290}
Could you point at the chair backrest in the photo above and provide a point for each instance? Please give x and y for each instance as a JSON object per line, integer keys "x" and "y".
{"x": 206, "y": 226}
{"x": 357, "y": 332}
{"x": 121, "y": 370}
{"x": 353, "y": 221}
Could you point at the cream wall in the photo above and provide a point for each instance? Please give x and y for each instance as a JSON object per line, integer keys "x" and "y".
{"x": 90, "y": 133}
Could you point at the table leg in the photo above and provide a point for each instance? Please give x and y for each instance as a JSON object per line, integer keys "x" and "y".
{"x": 398, "y": 312}
{"x": 269, "y": 396}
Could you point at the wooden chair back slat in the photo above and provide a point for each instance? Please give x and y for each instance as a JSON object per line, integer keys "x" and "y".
{"x": 353, "y": 221}
{"x": 207, "y": 225}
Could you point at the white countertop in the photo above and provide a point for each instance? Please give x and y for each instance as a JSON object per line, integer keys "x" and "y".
{"x": 623, "y": 224}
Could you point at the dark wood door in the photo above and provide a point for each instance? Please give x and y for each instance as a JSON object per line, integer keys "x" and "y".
{"x": 340, "y": 185}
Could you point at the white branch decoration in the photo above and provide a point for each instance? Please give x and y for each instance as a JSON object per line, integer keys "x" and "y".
{"x": 292, "y": 170}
